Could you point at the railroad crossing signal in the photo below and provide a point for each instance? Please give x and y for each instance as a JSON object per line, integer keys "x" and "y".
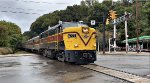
{"x": 112, "y": 15}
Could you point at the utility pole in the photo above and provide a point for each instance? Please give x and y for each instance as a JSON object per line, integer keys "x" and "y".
{"x": 104, "y": 23}
{"x": 109, "y": 44}
{"x": 126, "y": 33}
{"x": 98, "y": 44}
{"x": 137, "y": 28}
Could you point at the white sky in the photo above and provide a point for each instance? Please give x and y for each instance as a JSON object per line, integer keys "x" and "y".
{"x": 13, "y": 10}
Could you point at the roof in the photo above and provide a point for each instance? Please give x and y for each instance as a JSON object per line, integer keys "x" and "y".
{"x": 141, "y": 39}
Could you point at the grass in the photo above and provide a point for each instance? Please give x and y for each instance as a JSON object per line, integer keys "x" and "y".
{"x": 22, "y": 52}
{"x": 5, "y": 50}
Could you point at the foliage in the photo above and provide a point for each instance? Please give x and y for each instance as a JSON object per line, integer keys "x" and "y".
{"x": 146, "y": 20}
{"x": 93, "y": 10}
{"x": 12, "y": 28}
{"x": 29, "y": 34}
{"x": 10, "y": 35}
{"x": 15, "y": 41}
{"x": 3, "y": 36}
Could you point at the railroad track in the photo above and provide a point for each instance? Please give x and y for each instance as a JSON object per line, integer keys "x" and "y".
{"x": 117, "y": 74}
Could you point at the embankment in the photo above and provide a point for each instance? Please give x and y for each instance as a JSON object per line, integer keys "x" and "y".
{"x": 5, "y": 50}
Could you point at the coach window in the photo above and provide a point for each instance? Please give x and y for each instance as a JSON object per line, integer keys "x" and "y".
{"x": 60, "y": 28}
{"x": 50, "y": 33}
{"x": 46, "y": 34}
{"x": 56, "y": 30}
{"x": 53, "y": 32}
{"x": 41, "y": 36}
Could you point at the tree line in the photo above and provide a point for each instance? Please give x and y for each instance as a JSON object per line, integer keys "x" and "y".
{"x": 10, "y": 35}
{"x": 94, "y": 10}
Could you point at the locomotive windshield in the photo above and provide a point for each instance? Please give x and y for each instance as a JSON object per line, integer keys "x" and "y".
{"x": 72, "y": 24}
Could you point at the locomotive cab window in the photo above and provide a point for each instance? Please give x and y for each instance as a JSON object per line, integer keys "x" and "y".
{"x": 71, "y": 35}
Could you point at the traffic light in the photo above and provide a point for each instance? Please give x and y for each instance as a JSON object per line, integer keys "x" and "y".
{"x": 113, "y": 14}
{"x": 107, "y": 21}
{"x": 108, "y": 17}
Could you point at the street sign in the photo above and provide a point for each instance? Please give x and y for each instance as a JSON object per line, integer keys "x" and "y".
{"x": 92, "y": 22}
{"x": 60, "y": 22}
{"x": 49, "y": 27}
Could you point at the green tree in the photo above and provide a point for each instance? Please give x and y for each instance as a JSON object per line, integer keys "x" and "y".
{"x": 93, "y": 10}
{"x": 10, "y": 34}
{"x": 3, "y": 36}
{"x": 29, "y": 34}
{"x": 12, "y": 28}
{"x": 146, "y": 19}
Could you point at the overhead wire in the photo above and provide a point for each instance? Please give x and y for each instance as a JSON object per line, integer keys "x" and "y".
{"x": 21, "y": 8}
{"x": 4, "y": 11}
{"x": 31, "y": 1}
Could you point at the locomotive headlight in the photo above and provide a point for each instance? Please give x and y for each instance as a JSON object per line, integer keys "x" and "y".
{"x": 85, "y": 30}
{"x": 75, "y": 45}
{"x": 94, "y": 45}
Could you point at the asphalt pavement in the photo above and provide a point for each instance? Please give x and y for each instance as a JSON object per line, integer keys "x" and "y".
{"x": 38, "y": 69}
{"x": 134, "y": 63}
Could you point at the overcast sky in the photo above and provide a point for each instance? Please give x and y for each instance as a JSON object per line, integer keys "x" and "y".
{"x": 25, "y": 12}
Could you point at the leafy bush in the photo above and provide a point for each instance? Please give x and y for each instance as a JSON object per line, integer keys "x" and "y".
{"x": 10, "y": 35}
{"x": 3, "y": 36}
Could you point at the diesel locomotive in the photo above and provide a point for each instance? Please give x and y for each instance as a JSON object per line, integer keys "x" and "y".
{"x": 67, "y": 41}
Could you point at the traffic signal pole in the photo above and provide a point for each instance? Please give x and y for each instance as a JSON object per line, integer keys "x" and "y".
{"x": 109, "y": 44}
{"x": 126, "y": 33}
{"x": 114, "y": 35}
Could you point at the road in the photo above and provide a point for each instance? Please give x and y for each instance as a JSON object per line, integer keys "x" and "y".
{"x": 38, "y": 69}
{"x": 139, "y": 65}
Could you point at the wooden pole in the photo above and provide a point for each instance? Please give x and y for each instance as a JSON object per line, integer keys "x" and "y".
{"x": 104, "y": 24}
{"x": 137, "y": 28}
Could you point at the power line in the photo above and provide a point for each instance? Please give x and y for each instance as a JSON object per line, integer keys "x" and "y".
{"x": 21, "y": 8}
{"x": 19, "y": 12}
{"x": 26, "y": 1}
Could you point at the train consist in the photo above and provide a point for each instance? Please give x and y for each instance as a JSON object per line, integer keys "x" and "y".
{"x": 68, "y": 41}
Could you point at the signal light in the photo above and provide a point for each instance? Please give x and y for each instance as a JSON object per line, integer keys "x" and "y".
{"x": 113, "y": 14}
{"x": 107, "y": 21}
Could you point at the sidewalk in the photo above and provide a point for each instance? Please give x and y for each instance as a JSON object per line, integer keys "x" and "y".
{"x": 123, "y": 53}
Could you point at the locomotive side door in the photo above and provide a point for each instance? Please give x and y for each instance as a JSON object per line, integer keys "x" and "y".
{"x": 56, "y": 38}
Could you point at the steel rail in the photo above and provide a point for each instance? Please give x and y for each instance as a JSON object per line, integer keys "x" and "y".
{"x": 130, "y": 77}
